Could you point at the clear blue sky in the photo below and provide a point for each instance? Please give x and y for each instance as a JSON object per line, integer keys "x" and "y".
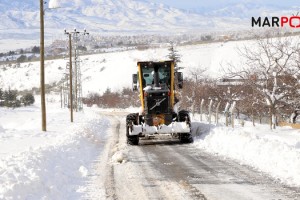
{"x": 198, "y": 4}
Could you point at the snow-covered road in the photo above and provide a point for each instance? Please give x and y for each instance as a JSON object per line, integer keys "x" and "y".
{"x": 166, "y": 169}
{"x": 89, "y": 159}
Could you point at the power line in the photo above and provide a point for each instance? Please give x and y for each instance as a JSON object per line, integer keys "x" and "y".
{"x": 75, "y": 80}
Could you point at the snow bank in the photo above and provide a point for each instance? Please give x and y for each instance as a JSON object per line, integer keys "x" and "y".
{"x": 48, "y": 165}
{"x": 275, "y": 152}
{"x": 55, "y": 172}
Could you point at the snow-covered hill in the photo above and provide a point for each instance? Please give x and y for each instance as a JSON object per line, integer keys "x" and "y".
{"x": 100, "y": 16}
{"x": 21, "y": 19}
{"x": 19, "y": 25}
{"x": 114, "y": 70}
{"x": 130, "y": 16}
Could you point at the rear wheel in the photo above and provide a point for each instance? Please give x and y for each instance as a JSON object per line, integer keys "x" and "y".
{"x": 130, "y": 120}
{"x": 131, "y": 139}
{"x": 186, "y": 138}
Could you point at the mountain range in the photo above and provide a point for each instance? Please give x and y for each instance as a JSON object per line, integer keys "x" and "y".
{"x": 20, "y": 19}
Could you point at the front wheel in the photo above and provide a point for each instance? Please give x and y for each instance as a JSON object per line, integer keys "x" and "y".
{"x": 131, "y": 139}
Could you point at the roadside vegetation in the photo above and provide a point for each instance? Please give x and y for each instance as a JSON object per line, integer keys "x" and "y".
{"x": 13, "y": 99}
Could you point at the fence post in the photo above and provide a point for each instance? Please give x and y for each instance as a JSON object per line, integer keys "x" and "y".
{"x": 217, "y": 112}
{"x": 201, "y": 109}
{"x": 232, "y": 108}
{"x": 193, "y": 108}
{"x": 61, "y": 99}
{"x": 252, "y": 113}
{"x": 270, "y": 118}
{"x": 226, "y": 112}
{"x": 209, "y": 111}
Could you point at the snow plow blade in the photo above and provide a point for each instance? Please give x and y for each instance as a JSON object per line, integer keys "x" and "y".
{"x": 175, "y": 127}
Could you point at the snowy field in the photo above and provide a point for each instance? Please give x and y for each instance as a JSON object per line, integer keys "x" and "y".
{"x": 51, "y": 165}
{"x": 58, "y": 164}
{"x": 114, "y": 70}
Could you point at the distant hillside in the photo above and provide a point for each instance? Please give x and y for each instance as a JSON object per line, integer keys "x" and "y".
{"x": 115, "y": 16}
{"x": 20, "y": 24}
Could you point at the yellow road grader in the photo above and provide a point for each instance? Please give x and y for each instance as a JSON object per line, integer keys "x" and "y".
{"x": 158, "y": 115}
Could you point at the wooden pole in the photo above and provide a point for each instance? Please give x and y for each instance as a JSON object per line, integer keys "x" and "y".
{"x": 42, "y": 67}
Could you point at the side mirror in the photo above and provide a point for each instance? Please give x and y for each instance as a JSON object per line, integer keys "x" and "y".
{"x": 179, "y": 77}
{"x": 134, "y": 82}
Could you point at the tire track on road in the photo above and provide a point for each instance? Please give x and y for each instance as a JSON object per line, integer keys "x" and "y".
{"x": 110, "y": 184}
{"x": 207, "y": 176}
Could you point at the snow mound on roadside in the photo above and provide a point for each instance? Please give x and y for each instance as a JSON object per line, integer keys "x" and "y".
{"x": 54, "y": 172}
{"x": 120, "y": 154}
{"x": 119, "y": 157}
{"x": 267, "y": 153}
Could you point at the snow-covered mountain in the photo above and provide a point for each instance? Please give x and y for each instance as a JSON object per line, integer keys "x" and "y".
{"x": 114, "y": 16}
{"x": 100, "y": 15}
{"x": 20, "y": 19}
{"x": 129, "y": 16}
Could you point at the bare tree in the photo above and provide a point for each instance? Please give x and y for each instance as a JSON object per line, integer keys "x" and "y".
{"x": 271, "y": 69}
{"x": 198, "y": 74}
{"x": 196, "y": 87}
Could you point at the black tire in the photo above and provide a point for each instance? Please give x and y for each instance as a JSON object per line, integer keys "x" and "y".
{"x": 186, "y": 138}
{"x": 131, "y": 139}
{"x": 183, "y": 116}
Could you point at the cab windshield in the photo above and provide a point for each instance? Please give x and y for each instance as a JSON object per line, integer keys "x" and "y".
{"x": 163, "y": 74}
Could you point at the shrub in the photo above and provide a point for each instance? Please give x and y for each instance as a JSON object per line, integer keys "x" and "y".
{"x": 27, "y": 99}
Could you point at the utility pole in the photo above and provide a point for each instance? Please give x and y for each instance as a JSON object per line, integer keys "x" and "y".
{"x": 70, "y": 67}
{"x": 76, "y": 71}
{"x": 70, "y": 73}
{"x": 42, "y": 66}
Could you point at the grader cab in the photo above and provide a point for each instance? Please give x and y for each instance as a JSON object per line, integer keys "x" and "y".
{"x": 155, "y": 82}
